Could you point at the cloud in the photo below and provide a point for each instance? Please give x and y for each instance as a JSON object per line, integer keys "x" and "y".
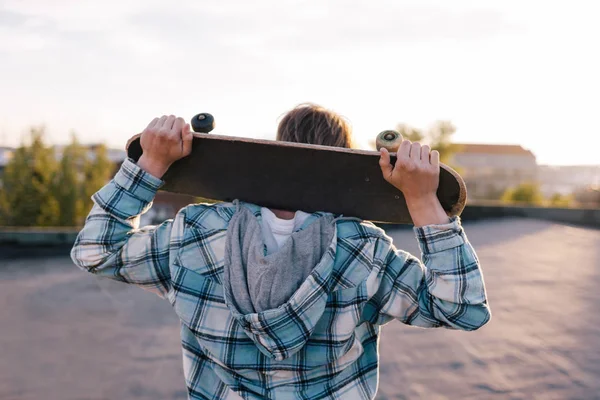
{"x": 11, "y": 19}
{"x": 277, "y": 26}
{"x": 261, "y": 28}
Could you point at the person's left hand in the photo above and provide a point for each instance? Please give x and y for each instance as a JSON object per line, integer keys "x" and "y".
{"x": 164, "y": 141}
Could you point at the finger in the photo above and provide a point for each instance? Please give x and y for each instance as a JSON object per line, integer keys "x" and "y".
{"x": 161, "y": 121}
{"x": 187, "y": 138}
{"x": 177, "y": 126}
{"x": 403, "y": 155}
{"x": 384, "y": 163}
{"x": 435, "y": 158}
{"x": 168, "y": 124}
{"x": 415, "y": 151}
{"x": 425, "y": 151}
{"x": 152, "y": 123}
{"x": 404, "y": 149}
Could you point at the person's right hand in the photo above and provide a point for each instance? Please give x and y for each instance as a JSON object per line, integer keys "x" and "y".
{"x": 416, "y": 172}
{"x": 164, "y": 141}
{"x": 417, "y": 175}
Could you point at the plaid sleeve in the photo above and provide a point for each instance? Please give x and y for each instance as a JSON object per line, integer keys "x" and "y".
{"x": 445, "y": 289}
{"x": 112, "y": 245}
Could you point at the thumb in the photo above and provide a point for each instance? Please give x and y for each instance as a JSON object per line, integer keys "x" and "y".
{"x": 187, "y": 136}
{"x": 384, "y": 163}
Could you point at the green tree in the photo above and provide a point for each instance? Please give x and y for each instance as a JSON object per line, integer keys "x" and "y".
{"x": 525, "y": 193}
{"x": 559, "y": 200}
{"x": 68, "y": 184}
{"x": 28, "y": 198}
{"x": 4, "y": 204}
{"x": 98, "y": 170}
{"x": 38, "y": 190}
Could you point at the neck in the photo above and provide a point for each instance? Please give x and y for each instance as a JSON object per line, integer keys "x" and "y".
{"x": 282, "y": 214}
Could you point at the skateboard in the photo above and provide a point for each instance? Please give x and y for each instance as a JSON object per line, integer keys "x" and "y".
{"x": 296, "y": 176}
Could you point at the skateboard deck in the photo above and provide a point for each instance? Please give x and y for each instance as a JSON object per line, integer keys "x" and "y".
{"x": 294, "y": 176}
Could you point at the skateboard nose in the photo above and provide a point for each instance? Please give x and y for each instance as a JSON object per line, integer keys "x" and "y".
{"x": 203, "y": 123}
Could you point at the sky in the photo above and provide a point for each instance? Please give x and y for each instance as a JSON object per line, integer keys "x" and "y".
{"x": 506, "y": 72}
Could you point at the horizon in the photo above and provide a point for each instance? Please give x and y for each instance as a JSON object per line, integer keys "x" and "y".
{"x": 89, "y": 144}
{"x": 506, "y": 72}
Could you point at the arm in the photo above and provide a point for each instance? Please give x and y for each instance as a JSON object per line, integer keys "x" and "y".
{"x": 111, "y": 243}
{"x": 447, "y": 288}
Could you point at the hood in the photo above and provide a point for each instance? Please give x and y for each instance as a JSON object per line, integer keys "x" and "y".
{"x": 278, "y": 298}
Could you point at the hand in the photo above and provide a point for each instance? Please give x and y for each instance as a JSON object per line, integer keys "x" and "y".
{"x": 416, "y": 174}
{"x": 164, "y": 141}
{"x": 417, "y": 169}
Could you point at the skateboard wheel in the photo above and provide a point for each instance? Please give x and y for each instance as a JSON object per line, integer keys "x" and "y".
{"x": 203, "y": 123}
{"x": 390, "y": 140}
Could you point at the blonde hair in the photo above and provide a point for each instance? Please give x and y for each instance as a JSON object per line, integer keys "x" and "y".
{"x": 313, "y": 124}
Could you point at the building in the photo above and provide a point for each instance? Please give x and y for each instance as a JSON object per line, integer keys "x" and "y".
{"x": 567, "y": 179}
{"x": 490, "y": 169}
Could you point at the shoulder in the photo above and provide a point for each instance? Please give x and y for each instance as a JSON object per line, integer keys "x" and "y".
{"x": 352, "y": 229}
{"x": 198, "y": 238}
{"x": 205, "y": 216}
{"x": 369, "y": 243}
{"x": 362, "y": 249}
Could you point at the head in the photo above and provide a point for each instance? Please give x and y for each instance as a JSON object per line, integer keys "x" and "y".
{"x": 313, "y": 124}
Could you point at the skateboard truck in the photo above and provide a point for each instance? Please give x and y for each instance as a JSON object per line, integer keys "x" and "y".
{"x": 203, "y": 123}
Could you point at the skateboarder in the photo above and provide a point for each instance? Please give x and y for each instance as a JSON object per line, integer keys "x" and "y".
{"x": 283, "y": 304}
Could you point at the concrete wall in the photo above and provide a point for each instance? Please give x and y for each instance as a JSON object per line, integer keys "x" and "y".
{"x": 65, "y": 237}
{"x": 35, "y": 242}
{"x": 38, "y": 236}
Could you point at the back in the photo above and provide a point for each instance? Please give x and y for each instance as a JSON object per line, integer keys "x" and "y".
{"x": 318, "y": 335}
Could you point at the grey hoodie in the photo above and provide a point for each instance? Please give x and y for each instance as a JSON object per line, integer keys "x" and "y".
{"x": 255, "y": 281}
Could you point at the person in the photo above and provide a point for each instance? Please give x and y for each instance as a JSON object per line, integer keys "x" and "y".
{"x": 282, "y": 304}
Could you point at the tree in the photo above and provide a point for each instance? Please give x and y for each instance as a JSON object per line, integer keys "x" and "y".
{"x": 525, "y": 193}
{"x": 410, "y": 133}
{"x": 98, "y": 170}
{"x": 440, "y": 139}
{"x": 559, "y": 200}
{"x": 4, "y": 204}
{"x": 68, "y": 184}
{"x": 38, "y": 190}
{"x": 28, "y": 198}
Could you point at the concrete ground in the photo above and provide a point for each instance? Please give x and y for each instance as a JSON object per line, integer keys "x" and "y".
{"x": 66, "y": 335}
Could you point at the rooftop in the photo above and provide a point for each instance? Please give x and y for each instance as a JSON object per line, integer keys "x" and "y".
{"x": 504, "y": 149}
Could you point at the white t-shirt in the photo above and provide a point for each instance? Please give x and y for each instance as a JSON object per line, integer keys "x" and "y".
{"x": 277, "y": 230}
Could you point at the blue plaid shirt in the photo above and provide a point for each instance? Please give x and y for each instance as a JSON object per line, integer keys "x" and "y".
{"x": 322, "y": 343}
